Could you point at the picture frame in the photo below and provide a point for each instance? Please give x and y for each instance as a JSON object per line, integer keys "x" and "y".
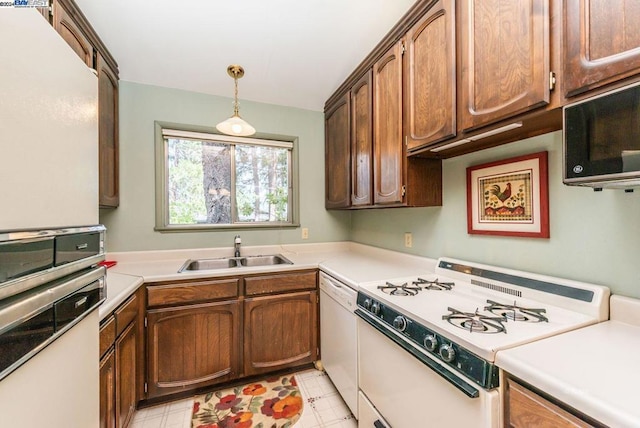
{"x": 509, "y": 197}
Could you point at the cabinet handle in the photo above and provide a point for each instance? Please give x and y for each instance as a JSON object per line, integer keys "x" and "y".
{"x": 81, "y": 302}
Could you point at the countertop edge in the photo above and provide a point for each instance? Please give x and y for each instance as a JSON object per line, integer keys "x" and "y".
{"x": 119, "y": 287}
{"x": 570, "y": 393}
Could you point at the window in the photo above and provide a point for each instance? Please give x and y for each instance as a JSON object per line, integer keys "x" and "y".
{"x": 207, "y": 180}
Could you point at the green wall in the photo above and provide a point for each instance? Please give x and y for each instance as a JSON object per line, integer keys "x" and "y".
{"x": 131, "y": 226}
{"x": 595, "y": 236}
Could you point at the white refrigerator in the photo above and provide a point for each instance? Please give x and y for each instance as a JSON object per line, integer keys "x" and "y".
{"x": 48, "y": 178}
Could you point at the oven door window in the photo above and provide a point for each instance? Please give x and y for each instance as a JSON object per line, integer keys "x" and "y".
{"x": 25, "y": 338}
{"x": 74, "y": 306}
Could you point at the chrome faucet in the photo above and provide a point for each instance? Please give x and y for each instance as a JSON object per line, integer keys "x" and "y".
{"x": 236, "y": 243}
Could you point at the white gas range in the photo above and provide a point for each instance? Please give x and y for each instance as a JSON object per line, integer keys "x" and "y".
{"x": 428, "y": 342}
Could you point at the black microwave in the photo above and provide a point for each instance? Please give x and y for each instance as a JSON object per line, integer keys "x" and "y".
{"x": 602, "y": 140}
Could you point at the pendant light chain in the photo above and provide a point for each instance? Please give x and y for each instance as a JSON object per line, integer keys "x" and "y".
{"x": 235, "y": 97}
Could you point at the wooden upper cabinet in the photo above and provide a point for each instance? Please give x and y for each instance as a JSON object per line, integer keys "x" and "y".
{"x": 192, "y": 346}
{"x": 73, "y": 27}
{"x": 108, "y": 133}
{"x": 361, "y": 142}
{"x": 387, "y": 129}
{"x": 66, "y": 25}
{"x": 337, "y": 154}
{"x": 602, "y": 43}
{"x": 504, "y": 59}
{"x": 430, "y": 77}
{"x": 280, "y": 331}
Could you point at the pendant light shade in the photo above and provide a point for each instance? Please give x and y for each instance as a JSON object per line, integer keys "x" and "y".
{"x": 235, "y": 125}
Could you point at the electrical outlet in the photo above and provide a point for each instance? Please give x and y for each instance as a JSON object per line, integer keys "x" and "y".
{"x": 408, "y": 240}
{"x": 305, "y": 233}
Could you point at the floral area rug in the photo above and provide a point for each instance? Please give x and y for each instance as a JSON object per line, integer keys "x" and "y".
{"x": 273, "y": 403}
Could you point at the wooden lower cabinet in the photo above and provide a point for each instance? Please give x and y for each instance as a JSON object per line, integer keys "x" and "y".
{"x": 205, "y": 332}
{"x": 280, "y": 331}
{"x": 524, "y": 408}
{"x": 121, "y": 363}
{"x": 192, "y": 346}
{"x": 108, "y": 391}
{"x": 126, "y": 369}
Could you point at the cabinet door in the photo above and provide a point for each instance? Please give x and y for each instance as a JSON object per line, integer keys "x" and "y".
{"x": 280, "y": 331}
{"x": 504, "y": 59}
{"x": 602, "y": 43}
{"x": 337, "y": 156}
{"x": 126, "y": 374}
{"x": 430, "y": 77}
{"x": 108, "y": 391}
{"x": 192, "y": 346}
{"x": 389, "y": 158}
{"x": 69, "y": 30}
{"x": 361, "y": 142}
{"x": 524, "y": 409}
{"x": 107, "y": 134}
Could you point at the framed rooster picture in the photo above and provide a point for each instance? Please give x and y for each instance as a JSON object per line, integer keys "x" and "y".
{"x": 509, "y": 197}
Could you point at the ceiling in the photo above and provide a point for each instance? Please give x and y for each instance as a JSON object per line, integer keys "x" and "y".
{"x": 295, "y": 52}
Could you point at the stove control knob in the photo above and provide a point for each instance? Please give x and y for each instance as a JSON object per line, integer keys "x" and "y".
{"x": 431, "y": 342}
{"x": 448, "y": 353}
{"x": 375, "y": 308}
{"x": 367, "y": 304}
{"x": 400, "y": 323}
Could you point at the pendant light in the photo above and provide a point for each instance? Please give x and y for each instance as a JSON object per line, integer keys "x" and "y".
{"x": 235, "y": 125}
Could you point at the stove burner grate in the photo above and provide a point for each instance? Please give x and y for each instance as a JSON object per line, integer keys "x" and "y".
{"x": 475, "y": 322}
{"x": 434, "y": 285}
{"x": 399, "y": 290}
{"x": 516, "y": 313}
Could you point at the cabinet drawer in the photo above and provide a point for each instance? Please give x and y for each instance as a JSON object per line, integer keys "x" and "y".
{"x": 191, "y": 292}
{"x": 70, "y": 248}
{"x": 280, "y": 283}
{"x": 526, "y": 408}
{"x": 126, "y": 313}
{"x": 107, "y": 334}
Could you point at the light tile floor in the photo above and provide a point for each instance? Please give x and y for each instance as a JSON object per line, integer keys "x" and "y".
{"x": 323, "y": 407}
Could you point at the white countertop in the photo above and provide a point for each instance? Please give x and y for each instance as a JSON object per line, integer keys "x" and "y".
{"x": 593, "y": 369}
{"x": 119, "y": 288}
{"x": 349, "y": 262}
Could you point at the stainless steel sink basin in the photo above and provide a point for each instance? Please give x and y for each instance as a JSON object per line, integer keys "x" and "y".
{"x": 234, "y": 262}
{"x": 275, "y": 259}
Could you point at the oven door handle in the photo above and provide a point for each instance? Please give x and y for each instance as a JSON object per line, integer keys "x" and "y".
{"x": 469, "y": 390}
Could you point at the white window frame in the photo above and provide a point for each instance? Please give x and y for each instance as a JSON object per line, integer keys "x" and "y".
{"x": 163, "y": 131}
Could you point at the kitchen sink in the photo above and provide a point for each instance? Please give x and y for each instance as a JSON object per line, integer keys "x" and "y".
{"x": 276, "y": 259}
{"x": 234, "y": 262}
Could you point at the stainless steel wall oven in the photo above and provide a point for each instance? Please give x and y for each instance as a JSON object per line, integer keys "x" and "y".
{"x": 49, "y": 281}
